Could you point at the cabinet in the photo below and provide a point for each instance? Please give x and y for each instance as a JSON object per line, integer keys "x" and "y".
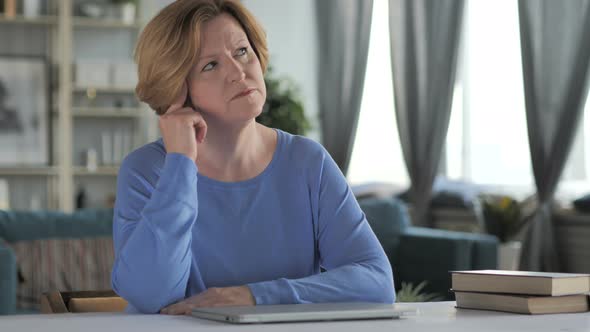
{"x": 92, "y": 116}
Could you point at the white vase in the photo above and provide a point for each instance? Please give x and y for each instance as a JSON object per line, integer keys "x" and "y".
{"x": 509, "y": 255}
{"x": 128, "y": 13}
{"x": 31, "y": 8}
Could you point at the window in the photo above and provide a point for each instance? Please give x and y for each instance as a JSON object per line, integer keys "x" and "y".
{"x": 377, "y": 154}
{"x": 487, "y": 140}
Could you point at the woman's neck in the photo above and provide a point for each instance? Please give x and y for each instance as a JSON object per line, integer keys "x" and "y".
{"x": 235, "y": 153}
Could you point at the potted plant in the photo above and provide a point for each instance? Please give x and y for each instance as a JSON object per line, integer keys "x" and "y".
{"x": 283, "y": 108}
{"x": 504, "y": 218}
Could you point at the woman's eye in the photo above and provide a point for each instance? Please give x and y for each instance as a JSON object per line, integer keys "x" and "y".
{"x": 210, "y": 66}
{"x": 242, "y": 51}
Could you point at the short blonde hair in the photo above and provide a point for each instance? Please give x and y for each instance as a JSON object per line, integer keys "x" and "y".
{"x": 169, "y": 46}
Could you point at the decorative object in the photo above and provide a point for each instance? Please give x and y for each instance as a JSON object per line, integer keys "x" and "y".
{"x": 107, "y": 148}
{"x": 504, "y": 217}
{"x": 509, "y": 255}
{"x": 91, "y": 160}
{"x": 24, "y": 103}
{"x": 31, "y": 8}
{"x": 116, "y": 144}
{"x": 92, "y": 73}
{"x": 81, "y": 198}
{"x": 4, "y": 195}
{"x": 117, "y": 147}
{"x": 91, "y": 10}
{"x": 126, "y": 10}
{"x": 35, "y": 203}
{"x": 283, "y": 108}
{"x": 10, "y": 8}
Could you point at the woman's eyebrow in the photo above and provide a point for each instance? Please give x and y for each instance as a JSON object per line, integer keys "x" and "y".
{"x": 207, "y": 57}
{"x": 235, "y": 43}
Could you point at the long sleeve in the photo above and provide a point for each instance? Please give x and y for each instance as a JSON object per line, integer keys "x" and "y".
{"x": 357, "y": 267}
{"x": 152, "y": 227}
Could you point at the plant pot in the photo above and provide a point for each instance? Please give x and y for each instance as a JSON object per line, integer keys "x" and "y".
{"x": 509, "y": 255}
{"x": 127, "y": 13}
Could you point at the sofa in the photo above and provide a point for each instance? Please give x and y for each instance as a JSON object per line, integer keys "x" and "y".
{"x": 54, "y": 251}
{"x": 59, "y": 251}
{"x": 419, "y": 254}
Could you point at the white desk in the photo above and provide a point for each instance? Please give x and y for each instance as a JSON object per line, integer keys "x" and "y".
{"x": 431, "y": 317}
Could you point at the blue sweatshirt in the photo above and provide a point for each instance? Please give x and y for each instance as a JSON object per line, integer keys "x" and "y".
{"x": 177, "y": 232}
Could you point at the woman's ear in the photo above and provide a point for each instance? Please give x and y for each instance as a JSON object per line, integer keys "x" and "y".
{"x": 188, "y": 102}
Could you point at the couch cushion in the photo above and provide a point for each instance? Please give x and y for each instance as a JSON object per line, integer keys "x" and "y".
{"x": 388, "y": 218}
{"x": 25, "y": 225}
{"x": 62, "y": 265}
{"x": 582, "y": 204}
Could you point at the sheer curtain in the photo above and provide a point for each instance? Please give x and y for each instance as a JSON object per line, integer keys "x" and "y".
{"x": 556, "y": 64}
{"x": 343, "y": 29}
{"x": 425, "y": 36}
{"x": 377, "y": 128}
{"x": 487, "y": 139}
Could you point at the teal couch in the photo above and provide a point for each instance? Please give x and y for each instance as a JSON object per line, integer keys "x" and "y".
{"x": 22, "y": 226}
{"x": 421, "y": 254}
{"x": 416, "y": 254}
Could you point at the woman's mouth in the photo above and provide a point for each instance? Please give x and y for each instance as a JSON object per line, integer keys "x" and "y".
{"x": 244, "y": 93}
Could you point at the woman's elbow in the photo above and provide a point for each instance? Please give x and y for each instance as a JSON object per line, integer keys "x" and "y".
{"x": 135, "y": 297}
{"x": 386, "y": 287}
{"x": 387, "y": 295}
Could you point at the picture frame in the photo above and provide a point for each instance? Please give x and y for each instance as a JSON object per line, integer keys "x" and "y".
{"x": 24, "y": 111}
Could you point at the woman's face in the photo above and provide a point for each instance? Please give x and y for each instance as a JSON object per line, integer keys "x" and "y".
{"x": 227, "y": 82}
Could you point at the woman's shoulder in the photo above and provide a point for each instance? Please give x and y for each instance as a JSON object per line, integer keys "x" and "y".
{"x": 299, "y": 147}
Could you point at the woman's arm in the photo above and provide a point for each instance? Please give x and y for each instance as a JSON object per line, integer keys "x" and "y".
{"x": 357, "y": 267}
{"x": 152, "y": 227}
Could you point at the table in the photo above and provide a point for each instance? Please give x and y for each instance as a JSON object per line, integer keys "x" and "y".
{"x": 431, "y": 317}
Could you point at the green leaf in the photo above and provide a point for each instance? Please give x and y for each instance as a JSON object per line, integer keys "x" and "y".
{"x": 283, "y": 108}
{"x": 411, "y": 293}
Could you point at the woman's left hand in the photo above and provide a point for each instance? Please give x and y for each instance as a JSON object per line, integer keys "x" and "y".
{"x": 212, "y": 297}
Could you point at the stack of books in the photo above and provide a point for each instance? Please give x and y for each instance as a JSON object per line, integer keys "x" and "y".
{"x": 521, "y": 291}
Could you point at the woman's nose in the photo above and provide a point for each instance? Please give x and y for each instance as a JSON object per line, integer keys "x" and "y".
{"x": 236, "y": 72}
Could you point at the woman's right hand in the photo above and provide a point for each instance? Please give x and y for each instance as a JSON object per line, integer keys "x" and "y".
{"x": 182, "y": 127}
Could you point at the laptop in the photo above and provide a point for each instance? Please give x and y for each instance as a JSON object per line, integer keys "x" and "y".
{"x": 301, "y": 312}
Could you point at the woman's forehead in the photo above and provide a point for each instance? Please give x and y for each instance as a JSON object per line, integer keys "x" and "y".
{"x": 220, "y": 30}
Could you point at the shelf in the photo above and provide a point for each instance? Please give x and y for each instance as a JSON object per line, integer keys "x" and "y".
{"x": 106, "y": 112}
{"x": 27, "y": 170}
{"x": 97, "y": 90}
{"x": 85, "y": 22}
{"x": 82, "y": 22}
{"x": 39, "y": 20}
{"x": 100, "y": 171}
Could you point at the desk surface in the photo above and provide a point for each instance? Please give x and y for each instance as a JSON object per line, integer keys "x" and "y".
{"x": 437, "y": 316}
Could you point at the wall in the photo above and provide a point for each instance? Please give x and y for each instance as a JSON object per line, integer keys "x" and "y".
{"x": 292, "y": 39}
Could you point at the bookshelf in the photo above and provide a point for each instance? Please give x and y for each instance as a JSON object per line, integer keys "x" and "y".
{"x": 82, "y": 118}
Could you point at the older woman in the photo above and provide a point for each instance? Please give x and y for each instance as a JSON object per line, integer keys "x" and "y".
{"x": 223, "y": 210}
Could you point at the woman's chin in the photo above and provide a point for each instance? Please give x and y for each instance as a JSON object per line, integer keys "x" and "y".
{"x": 247, "y": 112}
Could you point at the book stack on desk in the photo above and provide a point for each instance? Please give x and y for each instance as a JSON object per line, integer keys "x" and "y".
{"x": 521, "y": 291}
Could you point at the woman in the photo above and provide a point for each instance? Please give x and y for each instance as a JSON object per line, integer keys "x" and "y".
{"x": 222, "y": 210}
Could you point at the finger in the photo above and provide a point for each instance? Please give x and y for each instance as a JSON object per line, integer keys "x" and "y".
{"x": 201, "y": 131}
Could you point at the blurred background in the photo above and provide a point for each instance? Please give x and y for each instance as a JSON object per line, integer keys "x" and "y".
{"x": 460, "y": 126}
